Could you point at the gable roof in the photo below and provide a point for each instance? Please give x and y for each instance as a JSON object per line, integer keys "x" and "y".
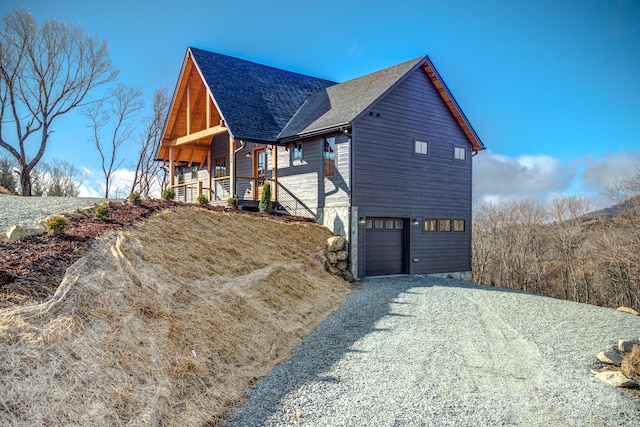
{"x": 340, "y": 104}
{"x": 256, "y": 101}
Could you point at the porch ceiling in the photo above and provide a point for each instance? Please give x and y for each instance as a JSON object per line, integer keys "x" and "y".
{"x": 193, "y": 119}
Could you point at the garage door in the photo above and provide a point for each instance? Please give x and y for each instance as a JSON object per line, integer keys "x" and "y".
{"x": 384, "y": 246}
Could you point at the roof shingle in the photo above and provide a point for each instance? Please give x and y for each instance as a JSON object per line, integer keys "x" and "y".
{"x": 340, "y": 104}
{"x": 257, "y": 101}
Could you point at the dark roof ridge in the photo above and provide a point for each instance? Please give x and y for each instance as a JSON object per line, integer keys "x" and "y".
{"x": 259, "y": 64}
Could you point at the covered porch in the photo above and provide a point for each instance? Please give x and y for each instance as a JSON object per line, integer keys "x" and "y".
{"x": 201, "y": 154}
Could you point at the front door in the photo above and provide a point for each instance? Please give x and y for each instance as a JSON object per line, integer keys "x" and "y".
{"x": 259, "y": 171}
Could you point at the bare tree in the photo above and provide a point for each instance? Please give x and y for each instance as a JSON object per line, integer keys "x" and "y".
{"x": 111, "y": 123}
{"x": 63, "y": 178}
{"x": 45, "y": 72}
{"x": 568, "y": 238}
{"x": 149, "y": 172}
{"x": 56, "y": 178}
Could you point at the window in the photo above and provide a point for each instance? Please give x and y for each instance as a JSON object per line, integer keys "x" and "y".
{"x": 458, "y": 225}
{"x": 399, "y": 224}
{"x": 430, "y": 224}
{"x": 445, "y": 225}
{"x": 220, "y": 167}
{"x": 421, "y": 147}
{"x": 194, "y": 172}
{"x": 459, "y": 153}
{"x": 379, "y": 224}
{"x": 329, "y": 156}
{"x": 297, "y": 151}
{"x": 369, "y": 223}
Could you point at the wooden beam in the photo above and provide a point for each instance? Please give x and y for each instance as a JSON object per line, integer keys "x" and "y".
{"x": 208, "y": 124}
{"x": 232, "y": 167}
{"x": 189, "y": 107}
{"x": 215, "y": 130}
{"x": 274, "y": 153}
{"x": 171, "y": 168}
{"x": 209, "y": 173}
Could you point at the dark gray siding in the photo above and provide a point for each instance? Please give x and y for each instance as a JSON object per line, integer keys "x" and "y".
{"x": 390, "y": 180}
{"x": 336, "y": 188}
{"x": 303, "y": 189}
{"x": 298, "y": 188}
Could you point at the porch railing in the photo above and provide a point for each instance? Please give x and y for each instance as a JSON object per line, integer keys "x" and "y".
{"x": 247, "y": 188}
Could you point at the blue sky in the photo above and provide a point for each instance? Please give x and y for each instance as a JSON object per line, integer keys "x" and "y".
{"x": 551, "y": 87}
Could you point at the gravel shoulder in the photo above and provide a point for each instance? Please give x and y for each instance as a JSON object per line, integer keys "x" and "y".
{"x": 16, "y": 209}
{"x": 416, "y": 351}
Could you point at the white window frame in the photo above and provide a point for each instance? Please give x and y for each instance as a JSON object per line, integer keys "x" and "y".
{"x": 459, "y": 153}
{"x": 421, "y": 147}
{"x": 297, "y": 151}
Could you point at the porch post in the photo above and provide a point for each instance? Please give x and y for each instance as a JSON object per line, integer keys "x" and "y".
{"x": 209, "y": 172}
{"x": 171, "y": 168}
{"x": 232, "y": 167}
{"x": 274, "y": 150}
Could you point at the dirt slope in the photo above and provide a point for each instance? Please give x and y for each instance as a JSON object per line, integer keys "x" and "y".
{"x": 167, "y": 323}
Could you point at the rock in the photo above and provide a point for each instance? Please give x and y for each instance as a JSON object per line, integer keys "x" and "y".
{"x": 627, "y": 346}
{"x": 335, "y": 243}
{"x": 20, "y": 231}
{"x": 342, "y": 265}
{"x": 334, "y": 270}
{"x": 610, "y": 357}
{"x": 331, "y": 258}
{"x": 616, "y": 378}
{"x": 346, "y": 275}
{"x": 88, "y": 211}
{"x": 628, "y": 310}
{"x": 342, "y": 255}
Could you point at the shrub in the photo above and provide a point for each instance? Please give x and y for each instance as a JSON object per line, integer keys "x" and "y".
{"x": 56, "y": 224}
{"x": 265, "y": 200}
{"x": 134, "y": 198}
{"x": 202, "y": 200}
{"x": 168, "y": 194}
{"x": 101, "y": 212}
{"x": 232, "y": 202}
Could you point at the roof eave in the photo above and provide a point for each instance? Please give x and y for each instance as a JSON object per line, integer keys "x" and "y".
{"x": 315, "y": 132}
{"x": 455, "y": 109}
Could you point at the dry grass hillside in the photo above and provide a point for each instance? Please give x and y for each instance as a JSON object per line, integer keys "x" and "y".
{"x": 166, "y": 323}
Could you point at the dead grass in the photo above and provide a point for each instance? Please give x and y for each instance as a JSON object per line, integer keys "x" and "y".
{"x": 166, "y": 324}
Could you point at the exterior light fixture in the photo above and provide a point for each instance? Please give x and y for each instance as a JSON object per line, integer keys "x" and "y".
{"x": 415, "y": 222}
{"x": 362, "y": 221}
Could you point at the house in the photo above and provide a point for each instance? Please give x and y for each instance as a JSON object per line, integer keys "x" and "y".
{"x": 384, "y": 160}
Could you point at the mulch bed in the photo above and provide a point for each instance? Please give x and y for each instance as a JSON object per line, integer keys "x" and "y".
{"x": 31, "y": 269}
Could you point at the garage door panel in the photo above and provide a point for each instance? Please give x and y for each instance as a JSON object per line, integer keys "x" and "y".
{"x": 384, "y": 251}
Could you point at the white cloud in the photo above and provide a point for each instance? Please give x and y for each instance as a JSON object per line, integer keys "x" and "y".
{"x": 539, "y": 176}
{"x": 600, "y": 173}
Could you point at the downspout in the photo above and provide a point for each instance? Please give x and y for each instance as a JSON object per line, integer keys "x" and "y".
{"x": 236, "y": 151}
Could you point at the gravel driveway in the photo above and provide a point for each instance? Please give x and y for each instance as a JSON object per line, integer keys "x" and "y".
{"x": 415, "y": 351}
{"x": 15, "y": 209}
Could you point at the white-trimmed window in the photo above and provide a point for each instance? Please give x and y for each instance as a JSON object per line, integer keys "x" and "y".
{"x": 297, "y": 151}
{"x": 329, "y": 156}
{"x": 421, "y": 147}
{"x": 459, "y": 153}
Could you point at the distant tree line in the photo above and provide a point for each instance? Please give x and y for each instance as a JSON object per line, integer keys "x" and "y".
{"x": 49, "y": 178}
{"x": 561, "y": 250}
